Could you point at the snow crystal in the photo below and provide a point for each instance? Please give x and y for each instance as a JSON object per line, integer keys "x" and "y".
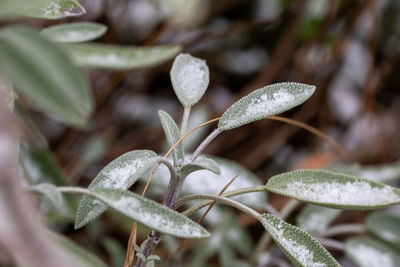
{"x": 118, "y": 177}
{"x": 370, "y": 257}
{"x": 356, "y": 193}
{"x": 267, "y": 103}
{"x": 300, "y": 252}
{"x": 191, "y": 78}
{"x": 52, "y": 9}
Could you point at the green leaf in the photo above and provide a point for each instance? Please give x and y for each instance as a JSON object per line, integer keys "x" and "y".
{"x": 190, "y": 78}
{"x": 315, "y": 219}
{"x": 115, "y": 251}
{"x": 45, "y": 75}
{"x": 201, "y": 163}
{"x": 334, "y": 190}
{"x": 385, "y": 226}
{"x": 120, "y": 57}
{"x": 51, "y": 193}
{"x": 151, "y": 214}
{"x": 264, "y": 102}
{"x": 300, "y": 247}
{"x": 381, "y": 173}
{"x": 206, "y": 182}
{"x": 173, "y": 134}
{"x": 371, "y": 253}
{"x": 74, "y": 32}
{"x": 153, "y": 258}
{"x": 57, "y": 9}
{"x": 12, "y": 7}
{"x": 81, "y": 257}
{"x": 121, "y": 173}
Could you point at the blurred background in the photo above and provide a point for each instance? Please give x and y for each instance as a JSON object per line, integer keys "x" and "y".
{"x": 349, "y": 49}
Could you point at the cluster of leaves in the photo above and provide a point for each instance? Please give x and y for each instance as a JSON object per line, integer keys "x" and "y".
{"x": 27, "y": 55}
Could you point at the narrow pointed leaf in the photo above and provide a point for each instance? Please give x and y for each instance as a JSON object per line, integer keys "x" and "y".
{"x": 300, "y": 247}
{"x": 190, "y": 78}
{"x": 334, "y": 190}
{"x": 201, "y": 163}
{"x": 51, "y": 193}
{"x": 315, "y": 219}
{"x": 371, "y": 253}
{"x": 79, "y": 256}
{"x": 151, "y": 214}
{"x": 121, "y": 173}
{"x": 264, "y": 102}
{"x": 120, "y": 57}
{"x": 57, "y": 9}
{"x": 386, "y": 227}
{"x": 173, "y": 134}
{"x": 206, "y": 182}
{"x": 74, "y": 32}
{"x": 44, "y": 74}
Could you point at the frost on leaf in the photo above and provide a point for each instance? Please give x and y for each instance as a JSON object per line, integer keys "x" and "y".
{"x": 119, "y": 174}
{"x": 150, "y": 213}
{"x": 190, "y": 78}
{"x": 333, "y": 189}
{"x": 59, "y": 9}
{"x": 299, "y": 246}
{"x": 262, "y": 103}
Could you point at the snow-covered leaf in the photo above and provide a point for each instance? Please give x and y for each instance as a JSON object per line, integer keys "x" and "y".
{"x": 150, "y": 213}
{"x": 43, "y": 73}
{"x": 51, "y": 193}
{"x": 190, "y": 78}
{"x": 300, "y": 247}
{"x": 371, "y": 253}
{"x": 315, "y": 219}
{"x": 334, "y": 190}
{"x": 201, "y": 163}
{"x": 12, "y": 7}
{"x": 173, "y": 134}
{"x": 74, "y": 32}
{"x": 264, "y": 102}
{"x": 57, "y": 9}
{"x": 385, "y": 226}
{"x": 121, "y": 173}
{"x": 115, "y": 57}
{"x": 206, "y": 182}
{"x": 80, "y": 257}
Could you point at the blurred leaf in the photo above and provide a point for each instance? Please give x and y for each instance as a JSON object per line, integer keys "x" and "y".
{"x": 333, "y": 189}
{"x": 173, "y": 134}
{"x": 121, "y": 173}
{"x": 51, "y": 193}
{"x": 44, "y": 74}
{"x": 94, "y": 149}
{"x": 57, "y": 9}
{"x": 115, "y": 57}
{"x": 371, "y": 253}
{"x": 150, "y": 213}
{"x": 13, "y": 7}
{"x": 74, "y": 32}
{"x": 201, "y": 163}
{"x": 300, "y": 247}
{"x": 264, "y": 102}
{"x": 315, "y": 219}
{"x": 6, "y": 90}
{"x": 82, "y": 255}
{"x": 190, "y": 78}
{"x": 198, "y": 115}
{"x": 381, "y": 173}
{"x": 206, "y": 182}
{"x": 385, "y": 226}
{"x": 115, "y": 251}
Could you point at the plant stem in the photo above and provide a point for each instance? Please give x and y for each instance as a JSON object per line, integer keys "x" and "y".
{"x": 205, "y": 143}
{"x": 168, "y": 198}
{"x": 227, "y": 194}
{"x": 225, "y": 200}
{"x": 185, "y": 119}
{"x": 351, "y": 228}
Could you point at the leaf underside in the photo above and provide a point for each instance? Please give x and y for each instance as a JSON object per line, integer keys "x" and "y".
{"x": 74, "y": 32}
